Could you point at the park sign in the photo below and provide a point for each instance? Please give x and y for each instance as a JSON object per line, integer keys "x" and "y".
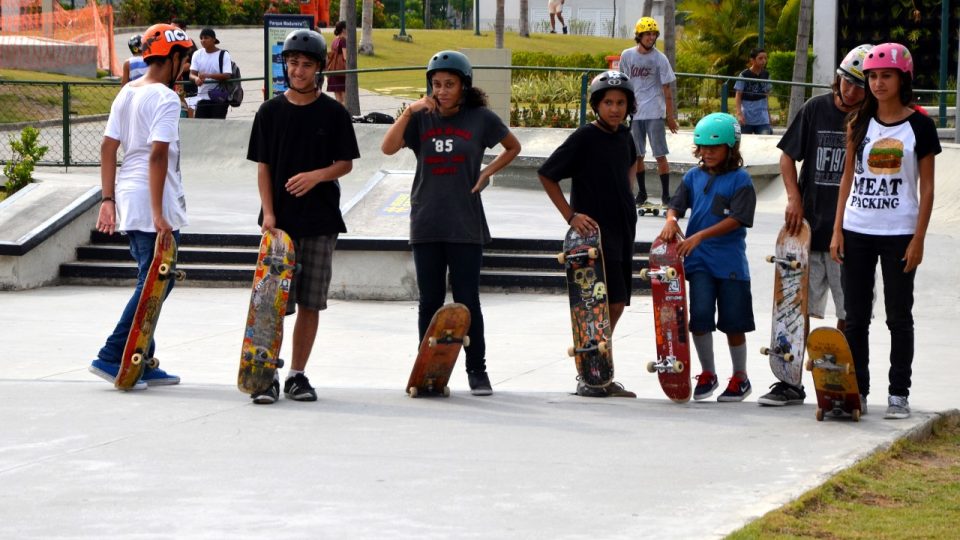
{"x": 275, "y": 30}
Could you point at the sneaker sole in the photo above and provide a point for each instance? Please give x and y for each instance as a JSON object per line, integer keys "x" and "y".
{"x": 163, "y": 382}
{"x": 482, "y": 392}
{"x": 264, "y": 400}
{"x": 140, "y": 385}
{"x": 895, "y": 416}
{"x": 702, "y": 397}
{"x": 733, "y": 399}
{"x": 763, "y": 400}
{"x": 300, "y": 397}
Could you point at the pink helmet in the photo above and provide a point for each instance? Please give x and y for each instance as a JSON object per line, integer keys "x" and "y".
{"x": 889, "y": 55}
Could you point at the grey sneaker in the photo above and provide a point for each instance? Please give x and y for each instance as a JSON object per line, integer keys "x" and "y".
{"x": 897, "y": 408}
{"x": 589, "y": 391}
{"x": 863, "y": 404}
{"x": 479, "y": 383}
{"x": 615, "y": 389}
{"x": 781, "y": 394}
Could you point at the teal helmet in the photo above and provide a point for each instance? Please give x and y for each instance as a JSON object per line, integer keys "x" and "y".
{"x": 454, "y": 62}
{"x": 715, "y": 129}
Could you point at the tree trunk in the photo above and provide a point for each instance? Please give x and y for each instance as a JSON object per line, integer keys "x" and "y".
{"x": 343, "y": 12}
{"x": 353, "y": 89}
{"x": 647, "y": 8}
{"x": 525, "y": 18}
{"x": 366, "y": 35}
{"x": 498, "y": 24}
{"x": 427, "y": 18}
{"x": 670, "y": 47}
{"x": 797, "y": 93}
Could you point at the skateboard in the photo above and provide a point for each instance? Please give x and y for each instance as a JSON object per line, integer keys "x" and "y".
{"x": 834, "y": 377}
{"x": 439, "y": 351}
{"x": 669, "y": 292}
{"x": 589, "y": 311}
{"x": 651, "y": 209}
{"x": 162, "y": 268}
{"x": 263, "y": 335}
{"x": 788, "y": 328}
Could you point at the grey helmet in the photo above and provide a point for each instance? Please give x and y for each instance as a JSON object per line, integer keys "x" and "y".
{"x": 454, "y": 62}
{"x": 608, "y": 80}
{"x": 135, "y": 43}
{"x": 307, "y": 42}
{"x": 851, "y": 67}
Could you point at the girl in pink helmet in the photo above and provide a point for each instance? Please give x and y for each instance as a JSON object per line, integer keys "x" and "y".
{"x": 884, "y": 207}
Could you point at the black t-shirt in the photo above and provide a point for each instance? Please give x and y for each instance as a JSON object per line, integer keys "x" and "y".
{"x": 755, "y": 91}
{"x": 817, "y": 138}
{"x": 598, "y": 162}
{"x": 292, "y": 139}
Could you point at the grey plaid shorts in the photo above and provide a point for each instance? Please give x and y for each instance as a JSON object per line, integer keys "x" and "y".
{"x": 311, "y": 285}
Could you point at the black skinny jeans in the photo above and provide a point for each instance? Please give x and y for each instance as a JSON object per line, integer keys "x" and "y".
{"x": 463, "y": 260}
{"x": 861, "y": 252}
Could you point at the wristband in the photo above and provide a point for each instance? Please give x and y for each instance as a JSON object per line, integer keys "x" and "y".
{"x": 108, "y": 199}
{"x": 571, "y": 218}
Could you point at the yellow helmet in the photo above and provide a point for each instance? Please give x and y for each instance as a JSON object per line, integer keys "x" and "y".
{"x": 647, "y": 24}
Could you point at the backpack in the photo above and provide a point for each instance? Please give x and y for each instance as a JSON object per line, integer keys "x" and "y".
{"x": 232, "y": 89}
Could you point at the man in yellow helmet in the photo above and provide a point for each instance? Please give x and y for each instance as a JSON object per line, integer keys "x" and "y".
{"x": 651, "y": 75}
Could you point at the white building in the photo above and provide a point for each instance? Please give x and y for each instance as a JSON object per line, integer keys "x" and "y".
{"x": 597, "y": 17}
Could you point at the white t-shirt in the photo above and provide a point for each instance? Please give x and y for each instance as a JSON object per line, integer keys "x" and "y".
{"x": 648, "y": 73}
{"x": 141, "y": 115}
{"x": 204, "y": 62}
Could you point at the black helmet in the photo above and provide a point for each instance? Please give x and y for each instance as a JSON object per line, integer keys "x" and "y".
{"x": 612, "y": 80}
{"x": 134, "y": 44}
{"x": 454, "y": 62}
{"x": 309, "y": 43}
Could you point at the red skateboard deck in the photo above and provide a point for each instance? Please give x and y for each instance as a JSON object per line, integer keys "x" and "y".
{"x": 263, "y": 335}
{"x": 582, "y": 257}
{"x": 162, "y": 268}
{"x": 834, "y": 377}
{"x": 788, "y": 330}
{"x": 439, "y": 350}
{"x": 670, "y": 320}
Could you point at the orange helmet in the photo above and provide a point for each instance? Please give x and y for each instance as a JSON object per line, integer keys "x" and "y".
{"x": 160, "y": 39}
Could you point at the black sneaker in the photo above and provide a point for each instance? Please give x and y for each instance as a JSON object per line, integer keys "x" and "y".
{"x": 615, "y": 389}
{"x": 564, "y": 29}
{"x": 737, "y": 389}
{"x": 268, "y": 396}
{"x": 781, "y": 394}
{"x": 706, "y": 384}
{"x": 479, "y": 383}
{"x": 590, "y": 391}
{"x": 298, "y": 388}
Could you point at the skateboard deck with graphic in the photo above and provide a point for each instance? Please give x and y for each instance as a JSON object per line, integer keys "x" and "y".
{"x": 652, "y": 209}
{"x": 834, "y": 377}
{"x": 582, "y": 257}
{"x": 263, "y": 335}
{"x": 162, "y": 269}
{"x": 439, "y": 350}
{"x": 669, "y": 291}
{"x": 788, "y": 327}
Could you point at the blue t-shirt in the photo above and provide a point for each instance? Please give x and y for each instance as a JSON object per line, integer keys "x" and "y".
{"x": 711, "y": 200}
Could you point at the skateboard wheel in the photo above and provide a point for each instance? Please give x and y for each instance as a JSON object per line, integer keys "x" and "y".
{"x": 153, "y": 363}
{"x": 769, "y": 258}
{"x": 644, "y": 275}
{"x": 809, "y": 364}
{"x": 446, "y": 391}
{"x": 651, "y": 366}
{"x": 819, "y": 414}
{"x": 656, "y": 211}
{"x": 640, "y": 212}
{"x": 678, "y": 367}
{"x": 593, "y": 253}
{"x": 412, "y": 391}
{"x": 466, "y": 341}
{"x": 788, "y": 357}
{"x": 670, "y": 273}
{"x": 571, "y": 351}
{"x": 795, "y": 265}
{"x": 764, "y": 350}
{"x": 431, "y": 342}
{"x": 855, "y": 414}
{"x": 164, "y": 269}
{"x": 136, "y": 359}
{"x": 562, "y": 258}
{"x": 603, "y": 347}
{"x": 181, "y": 275}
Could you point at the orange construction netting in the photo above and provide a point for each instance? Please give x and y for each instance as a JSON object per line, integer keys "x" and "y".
{"x": 89, "y": 25}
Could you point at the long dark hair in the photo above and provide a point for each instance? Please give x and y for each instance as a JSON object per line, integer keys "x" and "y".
{"x": 859, "y": 120}
{"x": 339, "y": 28}
{"x": 733, "y": 162}
{"x": 472, "y": 97}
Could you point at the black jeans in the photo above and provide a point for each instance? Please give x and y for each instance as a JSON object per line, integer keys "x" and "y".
{"x": 861, "y": 252}
{"x": 211, "y": 109}
{"x": 463, "y": 260}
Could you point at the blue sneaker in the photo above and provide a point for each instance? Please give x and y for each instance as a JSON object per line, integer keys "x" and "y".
{"x": 158, "y": 377}
{"x": 706, "y": 384}
{"x": 108, "y": 372}
{"x": 737, "y": 389}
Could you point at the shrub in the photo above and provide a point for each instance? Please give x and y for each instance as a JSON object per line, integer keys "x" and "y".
{"x": 19, "y": 170}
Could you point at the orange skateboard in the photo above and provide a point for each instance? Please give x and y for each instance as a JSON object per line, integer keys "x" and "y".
{"x": 834, "y": 377}
{"x": 670, "y": 320}
{"x": 155, "y": 287}
{"x": 260, "y": 355}
{"x": 589, "y": 312}
{"x": 439, "y": 351}
{"x": 788, "y": 329}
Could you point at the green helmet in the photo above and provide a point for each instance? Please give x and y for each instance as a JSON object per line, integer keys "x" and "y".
{"x": 715, "y": 129}
{"x": 454, "y": 62}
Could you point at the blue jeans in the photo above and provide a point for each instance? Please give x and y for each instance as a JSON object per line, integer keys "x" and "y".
{"x": 463, "y": 260}
{"x": 720, "y": 304}
{"x": 758, "y": 129}
{"x": 861, "y": 253}
{"x": 141, "y": 247}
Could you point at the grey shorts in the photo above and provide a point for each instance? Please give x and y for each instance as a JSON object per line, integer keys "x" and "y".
{"x": 654, "y": 129}
{"x": 824, "y": 277}
{"x": 312, "y": 283}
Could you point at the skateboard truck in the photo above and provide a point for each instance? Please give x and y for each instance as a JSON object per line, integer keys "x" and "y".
{"x": 670, "y": 364}
{"x": 786, "y": 357}
{"x": 789, "y": 263}
{"x": 667, "y": 273}
{"x": 446, "y": 339}
{"x": 591, "y": 253}
{"x": 601, "y": 347}
{"x": 827, "y": 363}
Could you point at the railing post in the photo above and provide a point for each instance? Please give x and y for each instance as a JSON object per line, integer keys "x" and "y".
{"x": 583, "y": 99}
{"x": 724, "y": 95}
{"x": 65, "y": 124}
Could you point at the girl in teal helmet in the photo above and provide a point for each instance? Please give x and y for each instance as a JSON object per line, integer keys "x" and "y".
{"x": 722, "y": 201}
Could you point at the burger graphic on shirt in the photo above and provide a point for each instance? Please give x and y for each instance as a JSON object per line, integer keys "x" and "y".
{"x": 885, "y": 156}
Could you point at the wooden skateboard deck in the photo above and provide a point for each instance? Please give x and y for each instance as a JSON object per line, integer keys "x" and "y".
{"x": 589, "y": 310}
{"x": 669, "y": 291}
{"x": 162, "y": 268}
{"x": 439, "y": 350}
{"x": 263, "y": 335}
{"x": 834, "y": 377}
{"x": 652, "y": 209}
{"x": 788, "y": 328}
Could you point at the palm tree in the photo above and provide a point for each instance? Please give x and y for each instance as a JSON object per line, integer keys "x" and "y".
{"x": 797, "y": 93}
{"x": 524, "y": 18}
{"x": 366, "y": 35}
{"x": 670, "y": 44}
{"x": 353, "y": 89}
{"x": 498, "y": 24}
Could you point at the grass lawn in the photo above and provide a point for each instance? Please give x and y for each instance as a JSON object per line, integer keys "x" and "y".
{"x": 911, "y": 490}
{"x": 44, "y": 101}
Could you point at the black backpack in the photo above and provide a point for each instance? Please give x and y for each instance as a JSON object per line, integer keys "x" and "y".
{"x": 232, "y": 88}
